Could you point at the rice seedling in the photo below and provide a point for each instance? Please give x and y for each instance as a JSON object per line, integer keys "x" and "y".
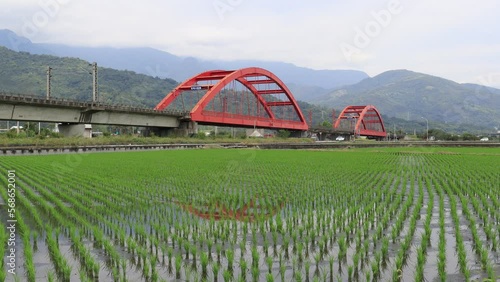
{"x": 269, "y": 263}
{"x": 442, "y": 240}
{"x": 298, "y": 276}
{"x": 227, "y": 275}
{"x": 349, "y": 218}
{"x": 3, "y": 242}
{"x": 307, "y": 269}
{"x": 178, "y": 265}
{"x": 255, "y": 274}
{"x": 269, "y": 277}
{"x": 204, "y": 265}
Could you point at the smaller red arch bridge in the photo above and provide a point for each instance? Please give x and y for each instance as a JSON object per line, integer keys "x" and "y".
{"x": 249, "y": 97}
{"x": 362, "y": 121}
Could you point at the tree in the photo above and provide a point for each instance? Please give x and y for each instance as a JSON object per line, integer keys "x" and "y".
{"x": 469, "y": 137}
{"x": 326, "y": 124}
{"x": 283, "y": 133}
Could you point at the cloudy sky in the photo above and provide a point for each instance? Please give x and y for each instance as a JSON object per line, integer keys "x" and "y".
{"x": 455, "y": 39}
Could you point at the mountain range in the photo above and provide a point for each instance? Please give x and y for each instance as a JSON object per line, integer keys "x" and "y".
{"x": 403, "y": 96}
{"x": 156, "y": 63}
{"x": 25, "y": 73}
{"x": 411, "y": 95}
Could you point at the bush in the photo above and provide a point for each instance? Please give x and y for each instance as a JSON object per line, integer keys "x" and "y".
{"x": 45, "y": 132}
{"x": 469, "y": 137}
{"x": 283, "y": 133}
{"x": 326, "y": 124}
{"x": 13, "y": 134}
{"x": 200, "y": 135}
{"x": 56, "y": 135}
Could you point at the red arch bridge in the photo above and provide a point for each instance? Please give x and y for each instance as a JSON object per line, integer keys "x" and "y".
{"x": 361, "y": 121}
{"x": 249, "y": 97}
{"x": 354, "y": 121}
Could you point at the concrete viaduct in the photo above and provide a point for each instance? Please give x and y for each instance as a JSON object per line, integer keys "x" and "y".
{"x": 73, "y": 115}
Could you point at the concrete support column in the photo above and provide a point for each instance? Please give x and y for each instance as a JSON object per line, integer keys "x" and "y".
{"x": 189, "y": 128}
{"x": 75, "y": 130}
{"x": 193, "y": 127}
{"x": 186, "y": 128}
{"x": 159, "y": 131}
{"x": 300, "y": 134}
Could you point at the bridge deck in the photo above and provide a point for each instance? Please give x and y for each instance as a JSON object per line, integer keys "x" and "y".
{"x": 16, "y": 99}
{"x": 38, "y": 109}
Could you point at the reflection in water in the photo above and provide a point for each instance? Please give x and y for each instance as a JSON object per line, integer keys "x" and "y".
{"x": 249, "y": 212}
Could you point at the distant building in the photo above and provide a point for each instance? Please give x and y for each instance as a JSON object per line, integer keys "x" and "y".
{"x": 87, "y": 132}
{"x": 256, "y": 133}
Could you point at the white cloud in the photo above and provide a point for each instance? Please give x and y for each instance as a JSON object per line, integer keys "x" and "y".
{"x": 455, "y": 39}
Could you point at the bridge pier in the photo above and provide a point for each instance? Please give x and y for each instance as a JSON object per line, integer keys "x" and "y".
{"x": 156, "y": 131}
{"x": 75, "y": 130}
{"x": 186, "y": 128}
{"x": 298, "y": 134}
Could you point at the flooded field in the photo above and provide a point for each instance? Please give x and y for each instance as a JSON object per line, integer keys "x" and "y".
{"x": 252, "y": 215}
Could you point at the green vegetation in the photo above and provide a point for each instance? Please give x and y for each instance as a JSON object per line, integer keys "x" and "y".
{"x": 57, "y": 141}
{"x": 352, "y": 215}
{"x": 410, "y": 95}
{"x": 24, "y": 73}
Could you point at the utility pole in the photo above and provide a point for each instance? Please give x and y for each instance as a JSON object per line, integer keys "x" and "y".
{"x": 427, "y": 134}
{"x": 95, "y": 97}
{"x": 395, "y": 136}
{"x": 48, "y": 82}
{"x": 333, "y": 117}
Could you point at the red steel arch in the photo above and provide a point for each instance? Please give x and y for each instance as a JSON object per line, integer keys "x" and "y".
{"x": 223, "y": 78}
{"x": 368, "y": 120}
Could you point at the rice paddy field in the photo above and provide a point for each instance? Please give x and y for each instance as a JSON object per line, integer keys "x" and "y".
{"x": 399, "y": 214}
